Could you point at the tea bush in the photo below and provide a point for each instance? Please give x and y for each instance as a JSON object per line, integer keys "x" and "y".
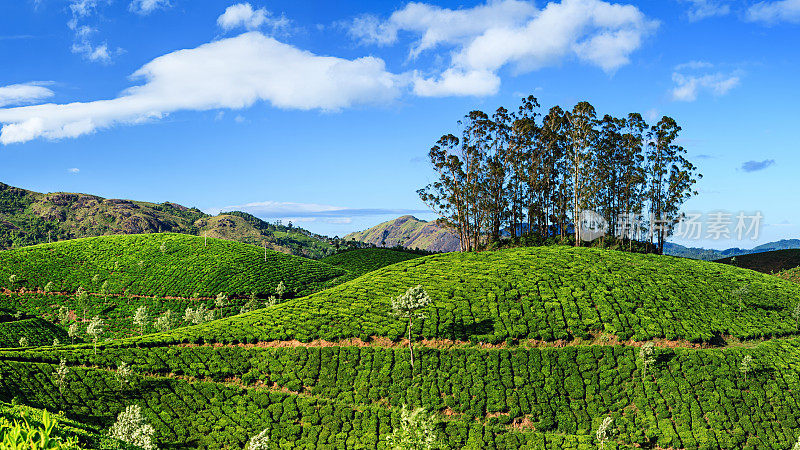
{"x": 363, "y": 260}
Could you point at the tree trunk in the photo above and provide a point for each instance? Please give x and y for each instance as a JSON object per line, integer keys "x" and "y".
{"x": 410, "y": 347}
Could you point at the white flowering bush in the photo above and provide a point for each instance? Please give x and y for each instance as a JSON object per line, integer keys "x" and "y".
{"x": 648, "y": 356}
{"x": 132, "y": 428}
{"x": 141, "y": 318}
{"x": 409, "y": 306}
{"x": 259, "y": 441}
{"x": 95, "y": 329}
{"x": 124, "y": 375}
{"x": 604, "y": 431}
{"x": 417, "y": 431}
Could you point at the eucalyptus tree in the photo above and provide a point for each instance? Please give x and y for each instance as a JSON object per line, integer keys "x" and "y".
{"x": 671, "y": 177}
{"x": 581, "y": 134}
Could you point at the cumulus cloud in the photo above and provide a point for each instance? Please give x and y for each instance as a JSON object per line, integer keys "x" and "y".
{"x": 694, "y": 77}
{"x": 73, "y": 170}
{"x": 231, "y": 73}
{"x": 20, "y": 94}
{"x": 703, "y": 9}
{"x": 755, "y": 166}
{"x": 145, "y": 7}
{"x": 510, "y": 32}
{"x": 242, "y": 15}
{"x": 771, "y": 12}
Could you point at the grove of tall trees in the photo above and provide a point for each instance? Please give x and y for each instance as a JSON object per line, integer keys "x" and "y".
{"x": 532, "y": 174}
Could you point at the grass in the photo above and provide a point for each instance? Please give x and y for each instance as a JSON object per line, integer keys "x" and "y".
{"x": 361, "y": 261}
{"x": 163, "y": 265}
{"x": 545, "y": 293}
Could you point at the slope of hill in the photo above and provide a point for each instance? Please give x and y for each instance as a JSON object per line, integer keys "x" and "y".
{"x": 164, "y": 264}
{"x": 550, "y": 359}
{"x": 36, "y": 331}
{"x": 767, "y": 262}
{"x": 711, "y": 254}
{"x": 544, "y": 293}
{"x": 28, "y": 218}
{"x": 361, "y": 261}
{"x": 410, "y": 232}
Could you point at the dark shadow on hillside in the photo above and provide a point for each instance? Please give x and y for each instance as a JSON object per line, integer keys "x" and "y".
{"x": 483, "y": 327}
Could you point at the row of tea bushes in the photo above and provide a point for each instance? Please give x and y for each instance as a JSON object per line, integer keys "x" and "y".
{"x": 164, "y": 264}
{"x": 364, "y": 260}
{"x": 687, "y": 399}
{"x": 214, "y": 415}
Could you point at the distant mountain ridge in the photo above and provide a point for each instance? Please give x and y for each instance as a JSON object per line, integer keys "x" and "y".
{"x": 409, "y": 232}
{"x": 28, "y": 218}
{"x": 711, "y": 254}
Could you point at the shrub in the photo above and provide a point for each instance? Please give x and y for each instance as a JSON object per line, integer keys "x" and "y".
{"x": 131, "y": 427}
{"x": 417, "y": 431}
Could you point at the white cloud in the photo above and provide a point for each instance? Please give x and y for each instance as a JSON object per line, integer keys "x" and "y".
{"x": 231, "y": 73}
{"x": 688, "y": 87}
{"x": 703, "y": 9}
{"x": 74, "y": 170}
{"x": 145, "y": 7}
{"x": 457, "y": 82}
{"x": 694, "y": 65}
{"x": 770, "y": 12}
{"x": 509, "y": 32}
{"x": 19, "y": 94}
{"x": 243, "y": 15}
{"x": 82, "y": 43}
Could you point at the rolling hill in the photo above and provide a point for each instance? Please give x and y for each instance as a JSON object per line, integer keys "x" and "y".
{"x": 164, "y": 264}
{"x": 410, "y": 232}
{"x": 521, "y": 349}
{"x": 28, "y": 218}
{"x": 542, "y": 293}
{"x": 364, "y": 260}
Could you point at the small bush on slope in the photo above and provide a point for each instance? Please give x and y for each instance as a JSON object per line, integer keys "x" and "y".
{"x": 546, "y": 293}
{"x": 164, "y": 264}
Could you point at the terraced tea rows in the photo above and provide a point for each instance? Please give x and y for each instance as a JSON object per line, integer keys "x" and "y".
{"x": 540, "y": 293}
{"x": 163, "y": 265}
{"x": 363, "y": 260}
{"x": 35, "y": 331}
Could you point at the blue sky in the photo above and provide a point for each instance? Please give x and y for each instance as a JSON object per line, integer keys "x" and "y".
{"x": 324, "y": 111}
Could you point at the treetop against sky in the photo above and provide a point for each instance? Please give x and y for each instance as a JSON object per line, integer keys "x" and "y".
{"x": 323, "y": 112}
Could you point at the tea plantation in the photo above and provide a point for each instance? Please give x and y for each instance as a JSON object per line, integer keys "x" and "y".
{"x": 545, "y": 293}
{"x": 521, "y": 349}
{"x": 165, "y": 265}
{"x": 363, "y": 260}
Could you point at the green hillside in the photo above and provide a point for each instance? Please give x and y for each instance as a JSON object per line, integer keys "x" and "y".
{"x": 766, "y": 262}
{"x": 29, "y": 218}
{"x": 164, "y": 264}
{"x": 37, "y": 331}
{"x": 361, "y": 261}
{"x": 521, "y": 349}
{"x": 547, "y": 293}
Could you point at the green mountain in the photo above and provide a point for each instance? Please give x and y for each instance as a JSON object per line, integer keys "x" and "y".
{"x": 28, "y": 218}
{"x": 521, "y": 349}
{"x": 410, "y": 232}
{"x": 712, "y": 255}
